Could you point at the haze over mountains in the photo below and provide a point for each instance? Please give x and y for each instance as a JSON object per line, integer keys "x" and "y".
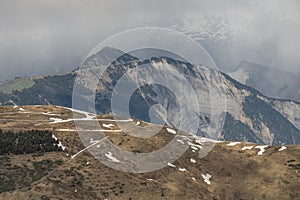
{"x": 272, "y": 82}
{"x": 50, "y": 36}
{"x": 250, "y": 115}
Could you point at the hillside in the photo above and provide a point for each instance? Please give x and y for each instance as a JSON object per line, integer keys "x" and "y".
{"x": 247, "y": 114}
{"x": 269, "y": 174}
{"x": 18, "y": 84}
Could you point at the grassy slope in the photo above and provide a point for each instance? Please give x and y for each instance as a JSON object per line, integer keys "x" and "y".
{"x": 17, "y": 84}
{"x": 236, "y": 174}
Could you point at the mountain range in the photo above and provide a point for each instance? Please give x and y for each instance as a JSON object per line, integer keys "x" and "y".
{"x": 272, "y": 82}
{"x": 250, "y": 115}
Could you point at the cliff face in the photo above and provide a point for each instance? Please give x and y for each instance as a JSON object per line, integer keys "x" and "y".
{"x": 224, "y": 108}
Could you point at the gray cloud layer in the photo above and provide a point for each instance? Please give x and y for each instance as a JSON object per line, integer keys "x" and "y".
{"x": 40, "y": 37}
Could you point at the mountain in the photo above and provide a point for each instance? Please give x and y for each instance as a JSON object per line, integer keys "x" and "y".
{"x": 249, "y": 115}
{"x": 272, "y": 82}
{"x": 70, "y": 172}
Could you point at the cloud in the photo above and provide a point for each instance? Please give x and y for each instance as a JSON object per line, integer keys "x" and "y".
{"x": 40, "y": 37}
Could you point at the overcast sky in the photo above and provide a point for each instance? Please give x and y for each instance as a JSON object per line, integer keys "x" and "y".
{"x": 53, "y": 36}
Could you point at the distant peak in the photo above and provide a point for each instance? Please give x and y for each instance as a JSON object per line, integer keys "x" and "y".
{"x": 110, "y": 49}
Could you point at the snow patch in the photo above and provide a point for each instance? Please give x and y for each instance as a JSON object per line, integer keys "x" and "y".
{"x": 233, "y": 143}
{"x": 261, "y": 149}
{"x": 206, "y": 178}
{"x": 91, "y": 116}
{"x": 49, "y": 113}
{"x": 282, "y": 148}
{"x": 108, "y": 125}
{"x": 169, "y": 130}
{"x": 90, "y": 130}
{"x": 65, "y": 129}
{"x": 92, "y": 140}
{"x": 111, "y": 157}
{"x": 58, "y": 120}
{"x": 60, "y": 145}
{"x": 59, "y": 142}
{"x": 171, "y": 165}
{"x": 193, "y": 160}
{"x": 180, "y": 141}
{"x": 103, "y": 130}
{"x": 200, "y": 140}
{"x": 87, "y": 114}
{"x": 54, "y": 137}
{"x": 182, "y": 169}
{"x": 194, "y": 146}
{"x": 247, "y": 148}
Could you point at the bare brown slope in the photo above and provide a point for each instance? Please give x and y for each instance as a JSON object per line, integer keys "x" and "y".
{"x": 236, "y": 173}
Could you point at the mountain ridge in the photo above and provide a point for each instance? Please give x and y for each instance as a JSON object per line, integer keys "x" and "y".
{"x": 276, "y": 83}
{"x": 58, "y": 90}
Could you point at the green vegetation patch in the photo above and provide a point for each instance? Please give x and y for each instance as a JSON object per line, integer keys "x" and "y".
{"x": 18, "y": 84}
{"x": 34, "y": 141}
{"x": 18, "y": 177}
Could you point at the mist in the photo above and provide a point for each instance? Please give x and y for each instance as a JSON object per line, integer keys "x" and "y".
{"x": 47, "y": 37}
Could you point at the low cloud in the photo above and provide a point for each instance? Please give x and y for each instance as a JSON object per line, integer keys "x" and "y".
{"x": 54, "y": 36}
